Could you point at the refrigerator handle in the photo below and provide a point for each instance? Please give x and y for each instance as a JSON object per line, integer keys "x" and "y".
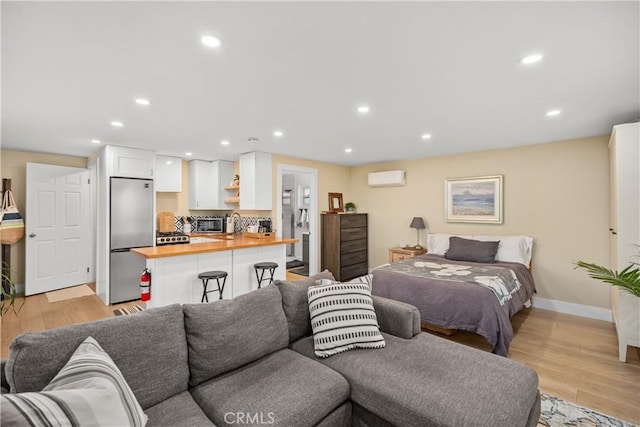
{"x": 121, "y": 250}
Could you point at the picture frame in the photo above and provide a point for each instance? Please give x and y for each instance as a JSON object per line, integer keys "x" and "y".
{"x": 335, "y": 202}
{"x": 474, "y": 199}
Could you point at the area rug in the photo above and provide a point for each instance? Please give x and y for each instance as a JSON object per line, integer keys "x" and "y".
{"x": 303, "y": 271}
{"x": 556, "y": 412}
{"x": 68, "y": 293}
{"x": 128, "y": 310}
{"x": 294, "y": 263}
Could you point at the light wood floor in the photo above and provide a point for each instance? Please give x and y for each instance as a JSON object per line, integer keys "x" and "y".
{"x": 576, "y": 358}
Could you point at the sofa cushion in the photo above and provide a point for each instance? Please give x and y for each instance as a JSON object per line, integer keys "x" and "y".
{"x": 149, "y": 348}
{"x": 283, "y": 388}
{"x": 342, "y": 318}
{"x": 295, "y": 303}
{"x": 224, "y": 335}
{"x": 430, "y": 381}
{"x": 88, "y": 389}
{"x": 177, "y": 411}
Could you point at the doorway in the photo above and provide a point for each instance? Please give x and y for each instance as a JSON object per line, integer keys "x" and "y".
{"x": 58, "y": 228}
{"x": 297, "y": 212}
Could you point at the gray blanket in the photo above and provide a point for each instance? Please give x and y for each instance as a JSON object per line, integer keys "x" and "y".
{"x": 502, "y": 281}
{"x": 458, "y": 304}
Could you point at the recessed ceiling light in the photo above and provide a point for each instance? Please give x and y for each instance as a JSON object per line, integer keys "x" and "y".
{"x": 224, "y": 142}
{"x": 95, "y": 141}
{"x": 348, "y": 150}
{"x": 188, "y": 154}
{"x": 168, "y": 162}
{"x": 278, "y": 133}
{"x": 531, "y": 59}
{"x": 117, "y": 124}
{"x": 363, "y": 109}
{"x": 210, "y": 41}
{"x": 426, "y": 136}
{"x": 142, "y": 101}
{"x": 553, "y": 113}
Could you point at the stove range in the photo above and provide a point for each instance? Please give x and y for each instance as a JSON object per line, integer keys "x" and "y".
{"x": 171, "y": 238}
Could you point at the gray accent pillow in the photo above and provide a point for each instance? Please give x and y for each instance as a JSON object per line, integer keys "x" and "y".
{"x": 224, "y": 335}
{"x": 149, "y": 348}
{"x": 296, "y": 304}
{"x": 471, "y": 250}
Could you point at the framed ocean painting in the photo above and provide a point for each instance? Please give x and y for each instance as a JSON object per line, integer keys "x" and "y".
{"x": 477, "y": 199}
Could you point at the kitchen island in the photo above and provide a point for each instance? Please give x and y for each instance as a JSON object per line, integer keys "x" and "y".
{"x": 175, "y": 268}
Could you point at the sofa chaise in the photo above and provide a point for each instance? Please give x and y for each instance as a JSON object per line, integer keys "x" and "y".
{"x": 250, "y": 361}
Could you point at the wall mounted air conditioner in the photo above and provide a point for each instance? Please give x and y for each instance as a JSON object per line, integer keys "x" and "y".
{"x": 388, "y": 179}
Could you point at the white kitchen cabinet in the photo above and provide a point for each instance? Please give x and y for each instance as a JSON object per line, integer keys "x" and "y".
{"x": 206, "y": 184}
{"x": 256, "y": 181}
{"x": 624, "y": 151}
{"x": 129, "y": 162}
{"x": 168, "y": 174}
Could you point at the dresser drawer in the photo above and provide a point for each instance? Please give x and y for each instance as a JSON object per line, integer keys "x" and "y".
{"x": 353, "y": 271}
{"x": 353, "y": 246}
{"x": 353, "y": 234}
{"x": 353, "y": 258}
{"x": 352, "y": 221}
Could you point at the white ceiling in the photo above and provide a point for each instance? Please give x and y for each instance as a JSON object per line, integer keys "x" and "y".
{"x": 450, "y": 69}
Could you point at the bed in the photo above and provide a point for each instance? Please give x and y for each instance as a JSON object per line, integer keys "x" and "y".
{"x": 464, "y": 294}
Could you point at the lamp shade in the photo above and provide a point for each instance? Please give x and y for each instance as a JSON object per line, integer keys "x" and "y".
{"x": 417, "y": 222}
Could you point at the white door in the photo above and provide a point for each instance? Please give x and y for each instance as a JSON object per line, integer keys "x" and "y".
{"x": 57, "y": 227}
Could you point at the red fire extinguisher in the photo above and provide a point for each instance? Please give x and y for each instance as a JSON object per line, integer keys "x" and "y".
{"x": 145, "y": 285}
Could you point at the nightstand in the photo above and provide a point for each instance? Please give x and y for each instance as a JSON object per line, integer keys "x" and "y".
{"x": 397, "y": 254}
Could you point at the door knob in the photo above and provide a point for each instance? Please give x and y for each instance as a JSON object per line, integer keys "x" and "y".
{"x": 32, "y": 235}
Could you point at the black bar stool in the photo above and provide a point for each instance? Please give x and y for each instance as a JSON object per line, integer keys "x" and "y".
{"x": 264, "y": 266}
{"x": 205, "y": 281}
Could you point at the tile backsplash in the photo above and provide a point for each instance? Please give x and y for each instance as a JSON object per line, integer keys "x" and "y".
{"x": 240, "y": 224}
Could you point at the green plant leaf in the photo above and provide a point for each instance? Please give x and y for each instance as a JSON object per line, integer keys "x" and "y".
{"x": 8, "y": 296}
{"x": 628, "y": 278}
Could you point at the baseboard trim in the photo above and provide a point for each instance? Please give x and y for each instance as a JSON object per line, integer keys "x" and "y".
{"x": 573, "y": 308}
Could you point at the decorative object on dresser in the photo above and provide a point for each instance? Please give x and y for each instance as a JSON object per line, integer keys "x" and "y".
{"x": 344, "y": 245}
{"x": 350, "y": 207}
{"x": 335, "y": 202}
{"x": 397, "y": 254}
{"x": 477, "y": 199}
{"x": 418, "y": 223}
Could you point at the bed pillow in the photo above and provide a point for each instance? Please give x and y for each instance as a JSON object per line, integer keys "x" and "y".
{"x": 438, "y": 243}
{"x": 342, "y": 318}
{"x": 471, "y": 250}
{"x": 88, "y": 390}
{"x": 511, "y": 248}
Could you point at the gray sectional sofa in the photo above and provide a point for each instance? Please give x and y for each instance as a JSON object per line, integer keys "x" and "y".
{"x": 250, "y": 361}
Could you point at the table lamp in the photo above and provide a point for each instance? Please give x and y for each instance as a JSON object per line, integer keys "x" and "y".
{"x": 418, "y": 223}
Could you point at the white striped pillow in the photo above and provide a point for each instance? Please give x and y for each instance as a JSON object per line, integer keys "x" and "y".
{"x": 342, "y": 318}
{"x": 88, "y": 391}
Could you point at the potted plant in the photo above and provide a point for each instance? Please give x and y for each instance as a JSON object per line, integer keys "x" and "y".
{"x": 350, "y": 207}
{"x": 8, "y": 295}
{"x": 625, "y": 303}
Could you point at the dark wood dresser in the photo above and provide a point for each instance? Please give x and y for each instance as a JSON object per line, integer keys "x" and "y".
{"x": 344, "y": 245}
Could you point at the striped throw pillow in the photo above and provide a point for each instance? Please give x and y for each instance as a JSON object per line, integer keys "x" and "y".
{"x": 88, "y": 391}
{"x": 342, "y": 318}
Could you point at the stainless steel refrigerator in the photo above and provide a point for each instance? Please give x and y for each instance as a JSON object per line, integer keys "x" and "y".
{"x": 131, "y": 225}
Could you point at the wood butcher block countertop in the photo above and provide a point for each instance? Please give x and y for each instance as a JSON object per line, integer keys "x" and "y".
{"x": 232, "y": 242}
